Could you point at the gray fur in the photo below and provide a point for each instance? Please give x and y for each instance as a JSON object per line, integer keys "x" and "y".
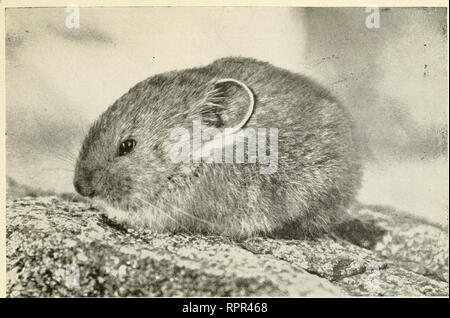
{"x": 318, "y": 174}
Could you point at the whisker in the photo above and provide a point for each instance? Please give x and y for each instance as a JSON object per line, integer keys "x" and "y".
{"x": 64, "y": 169}
{"x": 82, "y": 130}
{"x": 102, "y": 177}
{"x": 190, "y": 215}
{"x": 167, "y": 214}
{"x": 50, "y": 147}
{"x": 59, "y": 156}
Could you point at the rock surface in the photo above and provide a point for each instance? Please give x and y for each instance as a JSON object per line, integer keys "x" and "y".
{"x": 61, "y": 248}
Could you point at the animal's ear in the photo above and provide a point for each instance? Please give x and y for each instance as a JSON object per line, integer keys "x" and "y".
{"x": 228, "y": 103}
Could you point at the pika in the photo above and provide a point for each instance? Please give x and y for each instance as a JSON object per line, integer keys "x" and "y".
{"x": 125, "y": 162}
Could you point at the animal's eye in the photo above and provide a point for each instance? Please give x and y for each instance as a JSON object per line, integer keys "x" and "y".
{"x": 126, "y": 146}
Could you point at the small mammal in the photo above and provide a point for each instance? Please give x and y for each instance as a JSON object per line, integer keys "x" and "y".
{"x": 124, "y": 160}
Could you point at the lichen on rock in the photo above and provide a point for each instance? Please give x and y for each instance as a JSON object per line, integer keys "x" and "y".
{"x": 60, "y": 248}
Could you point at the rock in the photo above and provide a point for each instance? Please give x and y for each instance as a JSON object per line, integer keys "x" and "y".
{"x": 61, "y": 248}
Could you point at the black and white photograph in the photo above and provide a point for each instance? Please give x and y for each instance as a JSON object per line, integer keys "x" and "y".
{"x": 222, "y": 151}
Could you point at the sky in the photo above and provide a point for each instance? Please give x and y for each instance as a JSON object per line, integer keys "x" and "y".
{"x": 392, "y": 79}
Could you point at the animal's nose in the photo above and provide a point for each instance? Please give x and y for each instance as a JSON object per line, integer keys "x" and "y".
{"x": 77, "y": 186}
{"x": 85, "y": 191}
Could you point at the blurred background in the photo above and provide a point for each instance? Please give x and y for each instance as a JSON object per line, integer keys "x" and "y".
{"x": 393, "y": 79}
